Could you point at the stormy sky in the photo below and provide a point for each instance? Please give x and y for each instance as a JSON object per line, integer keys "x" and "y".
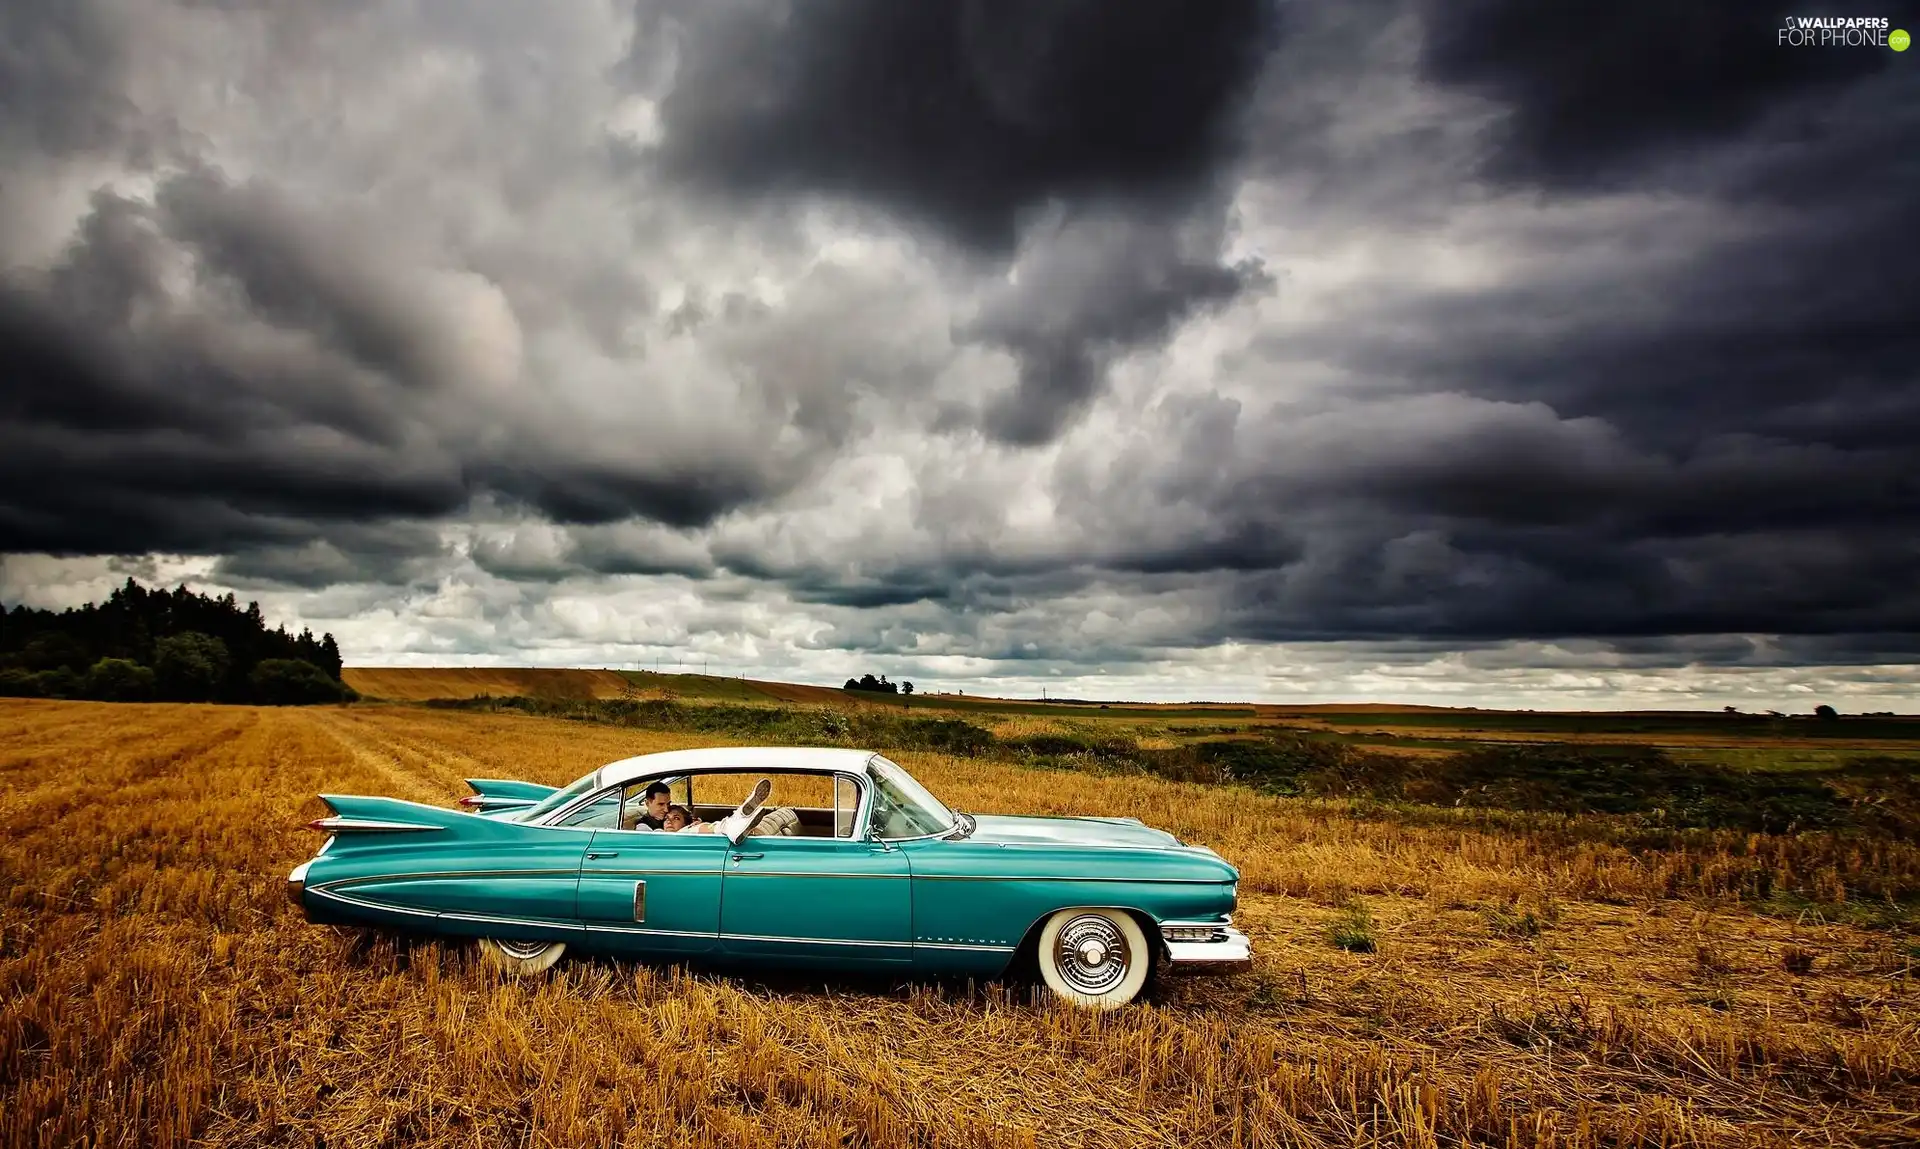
{"x": 1481, "y": 352}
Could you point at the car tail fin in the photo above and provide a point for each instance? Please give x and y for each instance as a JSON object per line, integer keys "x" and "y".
{"x": 354, "y": 814}
{"x": 496, "y": 794}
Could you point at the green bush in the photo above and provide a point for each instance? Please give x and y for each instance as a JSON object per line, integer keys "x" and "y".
{"x": 190, "y": 667}
{"x": 119, "y": 680}
{"x": 295, "y": 682}
{"x": 56, "y": 683}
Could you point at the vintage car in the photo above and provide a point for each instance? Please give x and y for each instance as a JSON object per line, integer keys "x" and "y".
{"x": 800, "y": 857}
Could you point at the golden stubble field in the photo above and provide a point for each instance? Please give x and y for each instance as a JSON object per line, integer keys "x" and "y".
{"x": 1529, "y": 988}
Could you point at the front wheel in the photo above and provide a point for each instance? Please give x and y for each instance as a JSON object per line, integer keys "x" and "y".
{"x": 521, "y": 959}
{"x": 1095, "y": 958}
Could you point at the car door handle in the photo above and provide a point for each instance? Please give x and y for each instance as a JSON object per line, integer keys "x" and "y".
{"x": 739, "y": 857}
{"x": 603, "y": 854}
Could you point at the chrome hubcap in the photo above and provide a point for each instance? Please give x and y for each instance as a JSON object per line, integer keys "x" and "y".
{"x": 519, "y": 949}
{"x": 1091, "y": 955}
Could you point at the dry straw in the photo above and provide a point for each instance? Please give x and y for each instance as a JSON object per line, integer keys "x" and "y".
{"x": 1527, "y": 988}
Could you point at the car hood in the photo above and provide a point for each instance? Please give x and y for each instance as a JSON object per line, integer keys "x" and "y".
{"x": 1013, "y": 830}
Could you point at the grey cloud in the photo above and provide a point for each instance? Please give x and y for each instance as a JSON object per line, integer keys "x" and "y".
{"x": 222, "y": 369}
{"x": 389, "y": 554}
{"x": 339, "y": 284}
{"x": 1092, "y": 138}
{"x": 1087, "y": 290}
{"x": 59, "y": 60}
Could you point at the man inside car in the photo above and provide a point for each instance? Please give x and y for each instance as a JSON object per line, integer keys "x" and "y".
{"x": 653, "y": 808}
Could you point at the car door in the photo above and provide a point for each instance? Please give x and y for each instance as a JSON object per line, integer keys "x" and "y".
{"x": 817, "y": 900}
{"x": 647, "y": 891}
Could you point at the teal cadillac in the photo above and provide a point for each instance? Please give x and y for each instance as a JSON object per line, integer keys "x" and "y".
{"x": 833, "y": 858}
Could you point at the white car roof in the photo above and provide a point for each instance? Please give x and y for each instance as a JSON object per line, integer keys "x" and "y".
{"x": 769, "y": 758}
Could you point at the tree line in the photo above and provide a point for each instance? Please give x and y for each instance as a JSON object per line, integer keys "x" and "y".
{"x": 166, "y": 646}
{"x": 878, "y": 685}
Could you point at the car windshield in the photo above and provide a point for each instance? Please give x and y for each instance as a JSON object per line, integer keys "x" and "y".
{"x": 902, "y": 807}
{"x": 555, "y": 800}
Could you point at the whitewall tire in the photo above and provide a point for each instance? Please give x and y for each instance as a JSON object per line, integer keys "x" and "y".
{"x": 1094, "y": 958}
{"x": 521, "y": 959}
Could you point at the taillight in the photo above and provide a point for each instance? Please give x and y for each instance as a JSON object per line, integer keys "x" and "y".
{"x": 472, "y": 800}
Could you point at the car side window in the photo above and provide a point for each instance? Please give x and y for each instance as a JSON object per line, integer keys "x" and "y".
{"x": 846, "y": 804}
{"x": 603, "y": 813}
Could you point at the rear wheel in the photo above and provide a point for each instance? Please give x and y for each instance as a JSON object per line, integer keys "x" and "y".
{"x": 520, "y": 958}
{"x": 1094, "y": 958}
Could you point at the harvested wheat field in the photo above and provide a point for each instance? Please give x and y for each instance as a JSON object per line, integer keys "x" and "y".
{"x": 1528, "y": 985}
{"x": 412, "y": 684}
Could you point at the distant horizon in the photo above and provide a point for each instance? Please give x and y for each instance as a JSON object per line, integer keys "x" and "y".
{"x": 936, "y": 690}
{"x": 1454, "y": 355}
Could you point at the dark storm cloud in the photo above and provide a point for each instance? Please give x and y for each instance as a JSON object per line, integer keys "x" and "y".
{"x": 980, "y": 120}
{"x": 1701, "y": 422}
{"x": 1593, "y": 89}
{"x": 391, "y": 554}
{"x": 583, "y": 493}
{"x": 1800, "y": 327}
{"x": 128, "y": 428}
{"x": 966, "y": 114}
{"x": 222, "y": 370}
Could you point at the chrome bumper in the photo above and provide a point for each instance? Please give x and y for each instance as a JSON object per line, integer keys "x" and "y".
{"x": 297, "y": 885}
{"x": 1197, "y": 946}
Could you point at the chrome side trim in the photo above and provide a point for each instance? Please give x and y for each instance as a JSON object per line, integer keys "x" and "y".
{"x": 444, "y": 915}
{"x": 622, "y": 928}
{"x": 362, "y": 903}
{"x": 429, "y": 875}
{"x": 815, "y": 941}
{"x": 502, "y": 920}
{"x": 647, "y": 871}
{"x": 1058, "y": 879}
{"x": 343, "y": 825}
{"x": 1145, "y": 847}
{"x": 495, "y": 802}
{"x": 745, "y": 873}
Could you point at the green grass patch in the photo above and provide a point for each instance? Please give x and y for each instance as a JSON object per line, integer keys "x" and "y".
{"x": 1353, "y": 930}
{"x": 1512, "y": 920}
{"x": 1890, "y": 915}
